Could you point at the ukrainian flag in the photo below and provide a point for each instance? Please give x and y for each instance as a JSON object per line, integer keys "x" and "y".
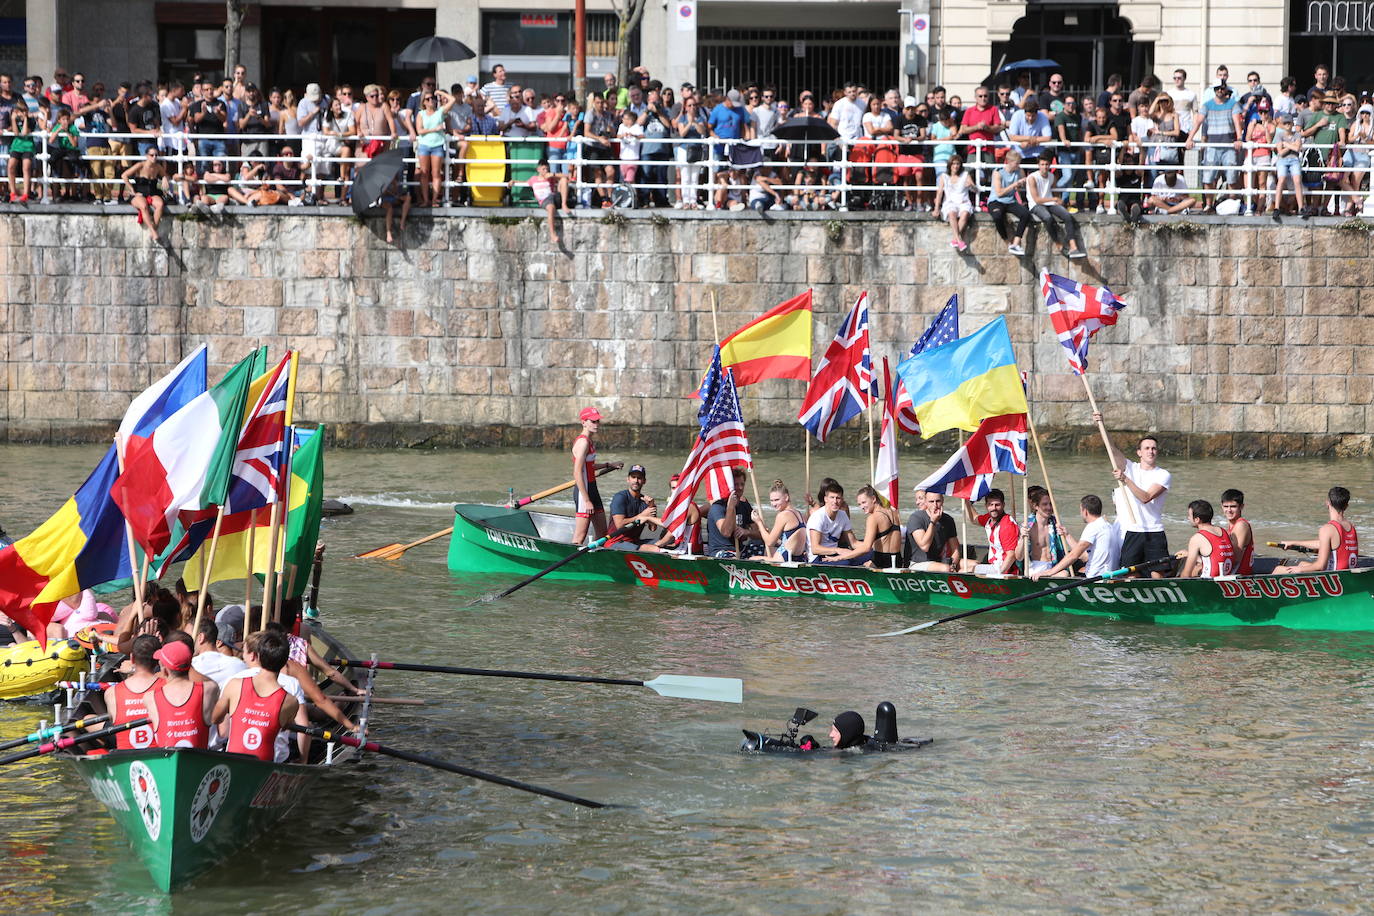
{"x": 959, "y": 384}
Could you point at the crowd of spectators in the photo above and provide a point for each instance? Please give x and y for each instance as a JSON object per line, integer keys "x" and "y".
{"x": 1015, "y": 152}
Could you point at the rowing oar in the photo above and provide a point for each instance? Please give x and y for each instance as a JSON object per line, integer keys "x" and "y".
{"x": 385, "y": 701}
{"x": 64, "y": 743}
{"x": 1077, "y": 583}
{"x": 608, "y": 538}
{"x": 374, "y": 747}
{"x": 715, "y": 689}
{"x": 44, "y": 734}
{"x": 395, "y": 551}
{"x": 598, "y": 470}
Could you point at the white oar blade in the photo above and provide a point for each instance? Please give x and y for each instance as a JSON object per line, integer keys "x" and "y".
{"x": 714, "y": 689}
{"x": 919, "y": 626}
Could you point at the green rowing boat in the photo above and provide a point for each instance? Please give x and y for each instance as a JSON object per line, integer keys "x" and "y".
{"x": 186, "y": 811}
{"x": 495, "y": 539}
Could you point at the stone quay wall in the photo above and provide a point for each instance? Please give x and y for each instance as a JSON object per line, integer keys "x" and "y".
{"x": 1244, "y": 338}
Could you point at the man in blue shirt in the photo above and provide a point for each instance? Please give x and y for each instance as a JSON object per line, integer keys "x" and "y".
{"x": 1219, "y": 123}
{"x": 729, "y": 121}
{"x": 1029, "y": 128}
{"x": 729, "y": 522}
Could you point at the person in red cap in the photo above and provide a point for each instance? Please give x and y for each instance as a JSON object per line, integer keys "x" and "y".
{"x": 590, "y": 512}
{"x": 180, "y": 708}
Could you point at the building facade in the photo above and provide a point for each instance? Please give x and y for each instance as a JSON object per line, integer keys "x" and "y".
{"x": 796, "y": 44}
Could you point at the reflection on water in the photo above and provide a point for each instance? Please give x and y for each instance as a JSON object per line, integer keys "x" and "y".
{"x": 1079, "y": 764}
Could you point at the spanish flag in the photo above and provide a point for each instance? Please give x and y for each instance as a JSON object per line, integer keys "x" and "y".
{"x": 777, "y": 344}
{"x": 959, "y": 384}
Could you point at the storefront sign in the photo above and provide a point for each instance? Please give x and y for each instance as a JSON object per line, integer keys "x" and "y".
{"x": 1340, "y": 17}
{"x": 539, "y": 20}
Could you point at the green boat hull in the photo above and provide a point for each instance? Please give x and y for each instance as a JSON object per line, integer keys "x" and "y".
{"x": 186, "y": 811}
{"x": 496, "y": 540}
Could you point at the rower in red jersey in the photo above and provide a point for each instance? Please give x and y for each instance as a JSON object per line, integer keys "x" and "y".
{"x": 257, "y": 705}
{"x": 1209, "y": 554}
{"x": 179, "y": 707}
{"x": 1337, "y": 545}
{"x": 1242, "y": 535}
{"x": 127, "y": 700}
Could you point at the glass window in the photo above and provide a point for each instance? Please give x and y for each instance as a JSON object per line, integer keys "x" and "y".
{"x": 528, "y": 33}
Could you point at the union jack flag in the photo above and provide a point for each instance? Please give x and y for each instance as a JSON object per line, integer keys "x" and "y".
{"x": 844, "y": 383}
{"x": 999, "y": 444}
{"x": 721, "y": 445}
{"x": 256, "y": 479}
{"x": 1078, "y": 311}
{"x": 944, "y": 329}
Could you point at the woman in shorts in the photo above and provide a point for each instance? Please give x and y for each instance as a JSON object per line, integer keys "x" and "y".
{"x": 541, "y": 185}
{"x": 431, "y": 131}
{"x": 952, "y": 198}
{"x": 146, "y": 179}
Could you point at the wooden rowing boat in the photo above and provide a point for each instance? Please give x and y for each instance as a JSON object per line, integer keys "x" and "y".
{"x": 494, "y": 539}
{"x": 186, "y": 811}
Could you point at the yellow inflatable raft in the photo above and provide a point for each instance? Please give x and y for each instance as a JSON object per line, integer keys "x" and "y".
{"x": 26, "y": 669}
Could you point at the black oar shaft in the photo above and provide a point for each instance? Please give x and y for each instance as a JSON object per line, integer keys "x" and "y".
{"x": 599, "y": 542}
{"x": 446, "y": 766}
{"x": 1076, "y": 583}
{"x": 64, "y": 743}
{"x": 492, "y": 672}
{"x": 53, "y": 732}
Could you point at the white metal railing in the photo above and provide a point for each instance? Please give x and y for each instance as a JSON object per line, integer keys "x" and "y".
{"x": 846, "y": 174}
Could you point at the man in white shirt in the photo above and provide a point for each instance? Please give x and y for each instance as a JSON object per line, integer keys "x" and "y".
{"x": 1185, "y": 100}
{"x": 827, "y": 527}
{"x": 765, "y": 114}
{"x": 1146, "y": 485}
{"x": 519, "y": 119}
{"x": 846, "y": 116}
{"x": 173, "y": 109}
{"x": 216, "y": 644}
{"x": 1100, "y": 542}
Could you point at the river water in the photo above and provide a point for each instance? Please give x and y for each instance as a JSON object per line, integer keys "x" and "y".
{"x": 1079, "y": 764}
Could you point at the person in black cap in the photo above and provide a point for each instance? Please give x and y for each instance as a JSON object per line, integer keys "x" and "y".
{"x": 848, "y": 730}
{"x": 634, "y": 513}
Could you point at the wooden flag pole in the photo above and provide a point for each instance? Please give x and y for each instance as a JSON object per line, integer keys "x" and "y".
{"x": 1040, "y": 458}
{"x": 205, "y": 570}
{"x": 248, "y": 578}
{"x": 806, "y": 438}
{"x": 129, "y": 529}
{"x": 872, "y": 455}
{"x": 1111, "y": 453}
{"x": 280, "y": 565}
{"x": 269, "y": 587}
{"x": 753, "y": 480}
{"x": 963, "y": 522}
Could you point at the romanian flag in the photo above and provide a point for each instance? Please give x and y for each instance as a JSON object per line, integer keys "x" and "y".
{"x": 777, "y": 344}
{"x": 959, "y": 384}
{"x": 84, "y": 543}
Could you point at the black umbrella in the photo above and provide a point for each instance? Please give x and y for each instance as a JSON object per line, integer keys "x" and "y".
{"x": 374, "y": 178}
{"x": 802, "y": 128}
{"x": 434, "y": 49}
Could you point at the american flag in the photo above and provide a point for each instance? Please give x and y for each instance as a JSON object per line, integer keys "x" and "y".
{"x": 255, "y": 479}
{"x": 1078, "y": 311}
{"x": 943, "y": 330}
{"x": 844, "y": 383}
{"x": 721, "y": 445}
{"x": 999, "y": 444}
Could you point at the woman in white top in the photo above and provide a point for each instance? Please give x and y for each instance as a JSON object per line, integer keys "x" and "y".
{"x": 1049, "y": 210}
{"x": 877, "y": 123}
{"x": 953, "y": 201}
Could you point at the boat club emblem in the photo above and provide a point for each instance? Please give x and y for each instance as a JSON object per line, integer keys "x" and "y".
{"x": 146, "y": 797}
{"x": 205, "y": 805}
